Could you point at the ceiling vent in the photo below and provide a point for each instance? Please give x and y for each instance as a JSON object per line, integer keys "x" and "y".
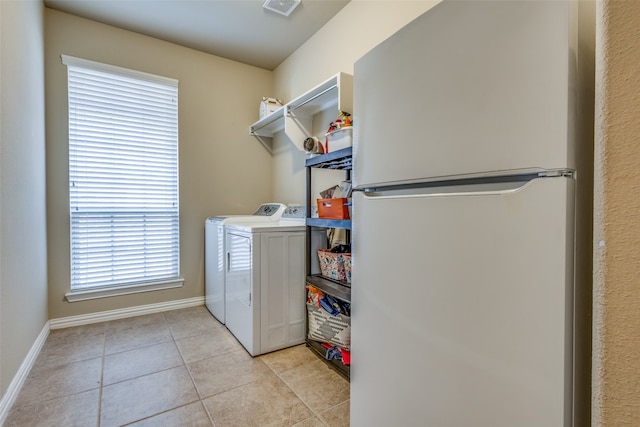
{"x": 283, "y": 7}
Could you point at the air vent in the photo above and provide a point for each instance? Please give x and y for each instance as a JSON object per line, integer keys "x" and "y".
{"x": 283, "y": 7}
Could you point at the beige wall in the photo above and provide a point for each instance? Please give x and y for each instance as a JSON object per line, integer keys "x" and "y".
{"x": 616, "y": 397}
{"x": 356, "y": 29}
{"x": 222, "y": 169}
{"x": 23, "y": 263}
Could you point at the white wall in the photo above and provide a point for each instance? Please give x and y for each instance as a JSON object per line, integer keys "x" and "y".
{"x": 23, "y": 257}
{"x": 356, "y": 29}
{"x": 223, "y": 170}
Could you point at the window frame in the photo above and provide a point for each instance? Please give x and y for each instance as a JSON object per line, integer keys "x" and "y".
{"x": 157, "y": 283}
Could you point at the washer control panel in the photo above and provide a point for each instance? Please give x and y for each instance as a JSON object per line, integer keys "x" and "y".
{"x": 269, "y": 209}
{"x": 294, "y": 211}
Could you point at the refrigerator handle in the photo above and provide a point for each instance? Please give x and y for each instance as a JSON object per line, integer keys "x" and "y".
{"x": 492, "y": 185}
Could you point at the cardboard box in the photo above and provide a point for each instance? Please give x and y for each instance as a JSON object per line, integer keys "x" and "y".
{"x": 268, "y": 106}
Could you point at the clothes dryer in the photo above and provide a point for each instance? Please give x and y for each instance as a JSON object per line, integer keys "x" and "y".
{"x": 215, "y": 254}
{"x": 265, "y": 282}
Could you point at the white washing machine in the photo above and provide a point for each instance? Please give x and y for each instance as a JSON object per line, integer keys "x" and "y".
{"x": 215, "y": 254}
{"x": 265, "y": 284}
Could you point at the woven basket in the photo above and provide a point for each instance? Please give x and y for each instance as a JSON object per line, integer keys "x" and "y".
{"x": 323, "y": 327}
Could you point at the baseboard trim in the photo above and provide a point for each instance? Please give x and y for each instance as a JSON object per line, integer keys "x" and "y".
{"x": 14, "y": 388}
{"x": 140, "y": 310}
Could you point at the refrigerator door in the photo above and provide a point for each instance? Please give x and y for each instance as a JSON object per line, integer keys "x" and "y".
{"x": 463, "y": 307}
{"x": 468, "y": 87}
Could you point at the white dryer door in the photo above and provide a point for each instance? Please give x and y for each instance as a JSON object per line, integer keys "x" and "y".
{"x": 239, "y": 268}
{"x": 214, "y": 253}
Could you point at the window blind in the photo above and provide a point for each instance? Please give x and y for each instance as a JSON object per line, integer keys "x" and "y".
{"x": 123, "y": 176}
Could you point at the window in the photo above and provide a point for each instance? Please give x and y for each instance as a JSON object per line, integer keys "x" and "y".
{"x": 123, "y": 178}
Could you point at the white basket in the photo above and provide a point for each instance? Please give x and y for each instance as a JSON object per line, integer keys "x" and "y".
{"x": 339, "y": 139}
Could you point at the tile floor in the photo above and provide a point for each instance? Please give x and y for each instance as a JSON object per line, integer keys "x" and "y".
{"x": 178, "y": 368}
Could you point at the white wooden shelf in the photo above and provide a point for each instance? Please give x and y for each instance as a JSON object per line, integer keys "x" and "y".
{"x": 269, "y": 125}
{"x": 295, "y": 117}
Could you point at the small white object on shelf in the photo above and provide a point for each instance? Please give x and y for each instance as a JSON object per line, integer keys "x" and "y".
{"x": 268, "y": 106}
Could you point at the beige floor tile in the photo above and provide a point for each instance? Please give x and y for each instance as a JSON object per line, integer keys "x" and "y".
{"x": 193, "y": 415}
{"x": 188, "y": 314}
{"x": 289, "y": 358}
{"x": 77, "y": 410}
{"x": 136, "y": 332}
{"x": 337, "y": 416}
{"x": 267, "y": 402}
{"x": 57, "y": 381}
{"x": 133, "y": 400}
{"x": 190, "y": 322}
{"x": 311, "y": 422}
{"x": 71, "y": 345}
{"x": 160, "y": 369}
{"x": 222, "y": 373}
{"x": 135, "y": 322}
{"x": 319, "y": 386}
{"x": 212, "y": 343}
{"x": 141, "y": 361}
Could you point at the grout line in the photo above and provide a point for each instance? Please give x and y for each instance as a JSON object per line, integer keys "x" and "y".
{"x": 144, "y": 375}
{"x": 183, "y": 365}
{"x": 315, "y": 415}
{"x": 193, "y": 382}
{"x": 206, "y": 410}
{"x": 45, "y": 401}
{"x": 163, "y": 412}
{"x": 104, "y": 349}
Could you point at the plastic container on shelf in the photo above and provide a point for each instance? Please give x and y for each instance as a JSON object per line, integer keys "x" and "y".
{"x": 339, "y": 139}
{"x": 333, "y": 208}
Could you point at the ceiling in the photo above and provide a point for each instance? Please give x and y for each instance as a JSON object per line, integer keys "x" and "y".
{"x": 240, "y": 30}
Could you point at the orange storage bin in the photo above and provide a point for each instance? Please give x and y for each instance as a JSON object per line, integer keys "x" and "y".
{"x": 333, "y": 208}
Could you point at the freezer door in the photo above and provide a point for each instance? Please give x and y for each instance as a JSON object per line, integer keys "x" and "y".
{"x": 462, "y": 308}
{"x": 468, "y": 87}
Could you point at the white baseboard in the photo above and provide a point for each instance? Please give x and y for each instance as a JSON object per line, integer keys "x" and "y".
{"x": 18, "y": 380}
{"x": 11, "y": 394}
{"x": 102, "y": 316}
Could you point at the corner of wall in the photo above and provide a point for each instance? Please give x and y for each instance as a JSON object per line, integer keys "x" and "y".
{"x": 23, "y": 264}
{"x": 616, "y": 325}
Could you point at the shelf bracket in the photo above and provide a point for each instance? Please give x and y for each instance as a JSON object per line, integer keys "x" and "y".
{"x": 297, "y": 128}
{"x": 267, "y": 142}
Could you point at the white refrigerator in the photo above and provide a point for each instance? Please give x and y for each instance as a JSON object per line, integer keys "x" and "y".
{"x": 471, "y": 220}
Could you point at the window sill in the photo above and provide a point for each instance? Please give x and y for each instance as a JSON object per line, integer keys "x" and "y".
{"x": 122, "y": 290}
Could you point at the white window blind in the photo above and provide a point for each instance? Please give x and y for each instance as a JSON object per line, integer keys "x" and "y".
{"x": 123, "y": 176}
